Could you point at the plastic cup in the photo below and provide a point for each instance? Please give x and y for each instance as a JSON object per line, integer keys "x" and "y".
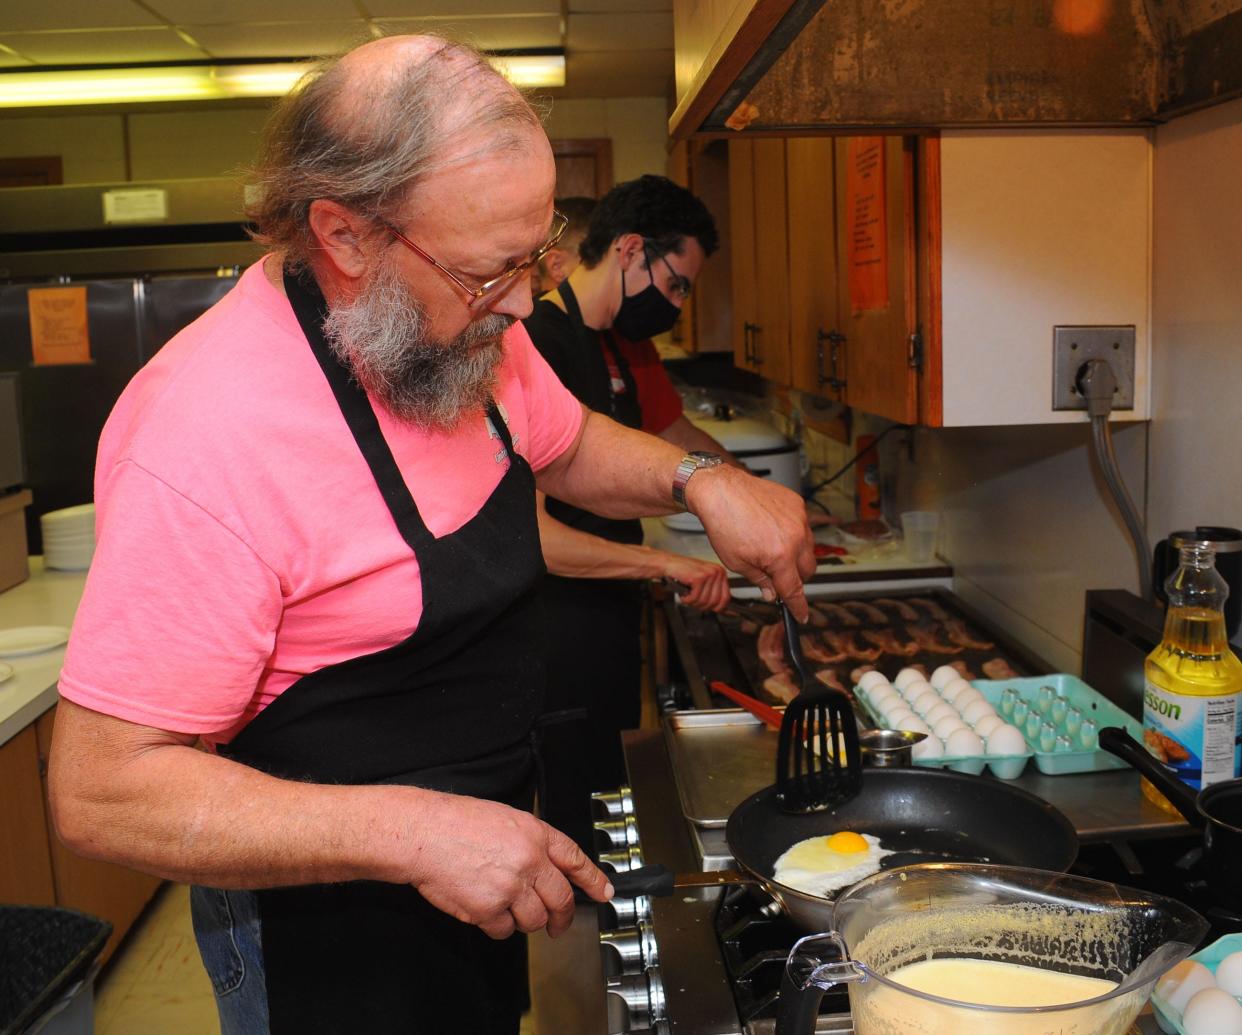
{"x": 920, "y": 528}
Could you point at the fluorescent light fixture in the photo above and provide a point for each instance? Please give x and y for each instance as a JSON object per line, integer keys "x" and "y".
{"x": 118, "y": 85}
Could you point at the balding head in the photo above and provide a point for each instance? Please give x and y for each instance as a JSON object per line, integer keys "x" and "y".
{"x": 364, "y": 128}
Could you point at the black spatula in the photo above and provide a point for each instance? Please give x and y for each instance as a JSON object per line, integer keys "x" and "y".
{"x": 818, "y": 758}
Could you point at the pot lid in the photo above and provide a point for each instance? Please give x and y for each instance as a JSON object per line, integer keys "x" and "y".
{"x": 742, "y": 434}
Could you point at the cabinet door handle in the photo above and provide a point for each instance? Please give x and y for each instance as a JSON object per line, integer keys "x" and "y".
{"x": 756, "y": 330}
{"x": 835, "y": 340}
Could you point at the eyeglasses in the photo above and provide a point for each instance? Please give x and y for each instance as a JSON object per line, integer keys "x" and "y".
{"x": 495, "y": 286}
{"x": 681, "y": 285}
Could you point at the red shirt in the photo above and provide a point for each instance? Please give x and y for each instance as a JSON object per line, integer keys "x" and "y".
{"x": 657, "y": 398}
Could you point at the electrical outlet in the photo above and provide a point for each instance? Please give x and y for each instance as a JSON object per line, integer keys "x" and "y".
{"x": 1074, "y": 346}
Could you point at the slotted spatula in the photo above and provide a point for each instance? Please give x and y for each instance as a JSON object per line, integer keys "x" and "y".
{"x": 818, "y": 758}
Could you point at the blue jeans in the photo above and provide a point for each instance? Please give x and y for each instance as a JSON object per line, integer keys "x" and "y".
{"x": 226, "y": 927}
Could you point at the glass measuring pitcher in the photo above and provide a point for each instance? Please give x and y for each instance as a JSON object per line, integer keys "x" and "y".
{"x": 997, "y": 915}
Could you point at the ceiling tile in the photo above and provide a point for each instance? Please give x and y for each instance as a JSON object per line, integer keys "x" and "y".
{"x": 542, "y": 30}
{"x": 386, "y": 10}
{"x": 302, "y": 39}
{"x": 102, "y": 46}
{"x": 216, "y": 12}
{"x": 651, "y": 30}
{"x": 23, "y": 15}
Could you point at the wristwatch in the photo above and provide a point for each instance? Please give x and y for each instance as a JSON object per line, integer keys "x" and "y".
{"x": 690, "y": 463}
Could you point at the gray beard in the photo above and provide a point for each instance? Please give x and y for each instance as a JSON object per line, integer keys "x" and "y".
{"x": 382, "y": 336}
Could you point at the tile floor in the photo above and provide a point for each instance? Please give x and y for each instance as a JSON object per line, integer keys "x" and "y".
{"x": 155, "y": 983}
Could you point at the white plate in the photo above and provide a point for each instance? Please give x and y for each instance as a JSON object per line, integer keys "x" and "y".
{"x": 31, "y": 639}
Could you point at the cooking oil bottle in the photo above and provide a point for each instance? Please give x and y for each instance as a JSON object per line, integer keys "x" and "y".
{"x": 1192, "y": 700}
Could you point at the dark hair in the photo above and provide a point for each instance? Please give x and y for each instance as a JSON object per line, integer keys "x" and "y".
{"x": 578, "y": 211}
{"x": 655, "y": 207}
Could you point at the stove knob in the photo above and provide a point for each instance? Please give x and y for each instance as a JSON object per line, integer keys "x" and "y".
{"x": 615, "y": 803}
{"x": 635, "y": 946}
{"x": 628, "y": 911}
{"x": 619, "y": 832}
{"x": 643, "y": 995}
{"x": 623, "y": 859}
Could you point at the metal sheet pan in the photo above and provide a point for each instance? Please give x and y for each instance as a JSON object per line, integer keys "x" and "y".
{"x": 720, "y": 757}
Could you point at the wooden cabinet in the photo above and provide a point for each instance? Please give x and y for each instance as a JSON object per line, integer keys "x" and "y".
{"x": 757, "y": 198}
{"x": 102, "y": 889}
{"x": 25, "y": 861}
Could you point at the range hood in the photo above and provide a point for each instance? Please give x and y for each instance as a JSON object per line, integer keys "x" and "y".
{"x": 875, "y": 65}
{"x": 123, "y": 229}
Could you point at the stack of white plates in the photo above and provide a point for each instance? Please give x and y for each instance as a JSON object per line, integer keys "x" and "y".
{"x": 69, "y": 537}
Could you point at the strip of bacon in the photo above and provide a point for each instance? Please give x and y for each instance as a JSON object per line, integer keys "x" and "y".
{"x": 781, "y": 687}
{"x": 771, "y": 648}
{"x": 868, "y": 611}
{"x": 889, "y": 642}
{"x": 828, "y": 676}
{"x": 904, "y": 610}
{"x": 961, "y": 635}
{"x": 926, "y": 639}
{"x": 814, "y": 649}
{"x": 999, "y": 668}
{"x": 964, "y": 670}
{"x": 930, "y": 606}
{"x": 838, "y": 613}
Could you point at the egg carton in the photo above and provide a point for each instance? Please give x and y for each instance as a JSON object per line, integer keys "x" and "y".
{"x": 1168, "y": 1018}
{"x": 1080, "y": 756}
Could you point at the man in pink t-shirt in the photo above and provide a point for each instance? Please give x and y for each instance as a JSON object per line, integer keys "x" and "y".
{"x": 317, "y": 556}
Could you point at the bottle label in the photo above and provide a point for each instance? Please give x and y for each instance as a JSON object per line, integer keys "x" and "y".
{"x": 1196, "y": 737}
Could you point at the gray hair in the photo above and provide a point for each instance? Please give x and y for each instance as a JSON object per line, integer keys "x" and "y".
{"x": 365, "y": 146}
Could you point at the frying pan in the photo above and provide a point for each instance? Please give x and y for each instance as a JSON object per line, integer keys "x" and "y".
{"x": 924, "y": 815}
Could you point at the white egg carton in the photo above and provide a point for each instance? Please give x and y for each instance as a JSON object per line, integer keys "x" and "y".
{"x": 945, "y": 699}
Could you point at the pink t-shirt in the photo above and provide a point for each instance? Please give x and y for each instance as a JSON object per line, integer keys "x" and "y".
{"x": 242, "y": 542}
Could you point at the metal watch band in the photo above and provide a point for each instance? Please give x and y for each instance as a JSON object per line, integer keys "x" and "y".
{"x": 690, "y": 463}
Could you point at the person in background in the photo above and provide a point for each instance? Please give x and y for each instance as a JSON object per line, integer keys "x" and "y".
{"x": 318, "y": 556}
{"x": 642, "y": 250}
{"x": 561, "y": 261}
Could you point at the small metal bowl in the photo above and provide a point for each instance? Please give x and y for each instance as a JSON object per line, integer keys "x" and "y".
{"x": 889, "y": 749}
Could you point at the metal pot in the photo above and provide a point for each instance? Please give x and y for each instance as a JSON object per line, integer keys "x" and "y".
{"x": 1216, "y": 810}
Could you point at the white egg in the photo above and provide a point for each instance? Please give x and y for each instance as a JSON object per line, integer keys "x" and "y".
{"x": 884, "y": 697}
{"x": 928, "y": 703}
{"x": 906, "y": 676}
{"x": 976, "y": 710}
{"x": 1212, "y": 1011}
{"x": 916, "y": 687}
{"x": 897, "y": 715}
{"x": 951, "y": 690}
{"x": 964, "y": 742}
{"x": 939, "y": 711}
{"x": 928, "y": 747}
{"x": 966, "y": 698}
{"x": 986, "y": 726}
{"x": 1229, "y": 974}
{"x": 949, "y": 724}
{"x": 870, "y": 680}
{"x": 914, "y": 723}
{"x": 943, "y": 676}
{"x": 1006, "y": 740}
{"x": 1179, "y": 983}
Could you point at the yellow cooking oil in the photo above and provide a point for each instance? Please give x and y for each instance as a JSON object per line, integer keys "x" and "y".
{"x": 1192, "y": 700}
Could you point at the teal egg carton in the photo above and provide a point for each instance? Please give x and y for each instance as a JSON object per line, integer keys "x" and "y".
{"x": 1170, "y": 1020}
{"x": 1073, "y": 693}
{"x": 1091, "y": 705}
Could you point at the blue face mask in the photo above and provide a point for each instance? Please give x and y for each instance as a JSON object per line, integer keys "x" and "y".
{"x": 645, "y": 314}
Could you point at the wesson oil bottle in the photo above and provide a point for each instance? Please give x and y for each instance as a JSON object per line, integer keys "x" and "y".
{"x": 1192, "y": 699}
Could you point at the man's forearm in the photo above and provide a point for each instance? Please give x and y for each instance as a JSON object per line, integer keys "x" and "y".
{"x": 187, "y": 815}
{"x": 573, "y": 553}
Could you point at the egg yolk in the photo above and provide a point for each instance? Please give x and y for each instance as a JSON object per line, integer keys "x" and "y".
{"x": 846, "y": 841}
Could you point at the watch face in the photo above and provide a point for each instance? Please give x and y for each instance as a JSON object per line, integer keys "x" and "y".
{"x": 700, "y": 454}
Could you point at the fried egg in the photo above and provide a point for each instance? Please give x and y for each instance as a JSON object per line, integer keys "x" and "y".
{"x": 821, "y": 865}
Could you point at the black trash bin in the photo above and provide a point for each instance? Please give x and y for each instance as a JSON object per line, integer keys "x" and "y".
{"x": 48, "y": 961}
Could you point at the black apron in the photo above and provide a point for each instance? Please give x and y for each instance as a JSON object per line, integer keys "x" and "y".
{"x": 450, "y": 708}
{"x": 594, "y": 664}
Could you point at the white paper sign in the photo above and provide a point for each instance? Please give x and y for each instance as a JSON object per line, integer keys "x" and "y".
{"x": 135, "y": 206}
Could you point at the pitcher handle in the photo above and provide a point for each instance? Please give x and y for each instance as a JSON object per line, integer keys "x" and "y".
{"x": 807, "y": 976}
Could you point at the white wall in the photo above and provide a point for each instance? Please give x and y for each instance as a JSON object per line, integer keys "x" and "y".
{"x": 638, "y": 127}
{"x": 1196, "y": 462}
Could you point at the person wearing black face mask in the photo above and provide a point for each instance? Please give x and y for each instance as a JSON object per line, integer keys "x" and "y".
{"x": 645, "y": 243}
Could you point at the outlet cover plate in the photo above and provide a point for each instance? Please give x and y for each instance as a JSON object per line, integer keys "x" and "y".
{"x": 1073, "y": 346}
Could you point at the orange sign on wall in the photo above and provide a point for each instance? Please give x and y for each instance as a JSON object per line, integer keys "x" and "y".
{"x": 58, "y": 328}
{"x": 866, "y": 223}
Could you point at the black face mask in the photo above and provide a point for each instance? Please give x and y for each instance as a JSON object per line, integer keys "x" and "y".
{"x": 645, "y": 314}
